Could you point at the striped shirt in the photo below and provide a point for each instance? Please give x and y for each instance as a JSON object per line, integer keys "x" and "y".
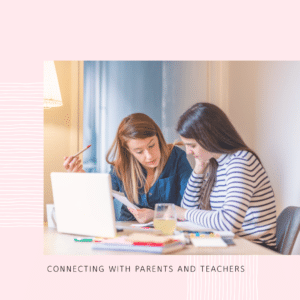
{"x": 242, "y": 199}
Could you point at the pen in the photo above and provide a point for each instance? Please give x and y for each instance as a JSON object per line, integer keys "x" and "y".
{"x": 82, "y": 150}
{"x": 83, "y": 240}
{"x": 193, "y": 231}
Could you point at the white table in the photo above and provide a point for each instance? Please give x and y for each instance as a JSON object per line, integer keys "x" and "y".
{"x": 63, "y": 244}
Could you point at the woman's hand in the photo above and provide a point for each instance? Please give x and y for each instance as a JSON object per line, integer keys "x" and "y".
{"x": 200, "y": 166}
{"x": 73, "y": 164}
{"x": 180, "y": 212}
{"x": 142, "y": 215}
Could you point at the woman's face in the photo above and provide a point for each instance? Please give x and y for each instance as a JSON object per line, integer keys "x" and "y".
{"x": 192, "y": 147}
{"x": 146, "y": 151}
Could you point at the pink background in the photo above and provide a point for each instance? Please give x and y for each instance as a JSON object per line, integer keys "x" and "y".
{"x": 123, "y": 30}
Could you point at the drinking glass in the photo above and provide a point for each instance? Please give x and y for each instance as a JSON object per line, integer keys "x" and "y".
{"x": 165, "y": 218}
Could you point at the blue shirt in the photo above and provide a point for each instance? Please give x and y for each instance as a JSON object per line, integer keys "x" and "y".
{"x": 168, "y": 188}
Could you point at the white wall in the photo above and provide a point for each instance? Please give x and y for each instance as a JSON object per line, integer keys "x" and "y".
{"x": 61, "y": 134}
{"x": 264, "y": 105}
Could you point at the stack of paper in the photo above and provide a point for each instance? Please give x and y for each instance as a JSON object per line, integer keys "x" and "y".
{"x": 139, "y": 242}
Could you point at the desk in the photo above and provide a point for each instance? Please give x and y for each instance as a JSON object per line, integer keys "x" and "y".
{"x": 63, "y": 244}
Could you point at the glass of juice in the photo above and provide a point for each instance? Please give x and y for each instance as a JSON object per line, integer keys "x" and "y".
{"x": 165, "y": 218}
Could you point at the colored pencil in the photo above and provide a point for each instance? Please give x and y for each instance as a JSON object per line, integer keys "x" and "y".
{"x": 82, "y": 150}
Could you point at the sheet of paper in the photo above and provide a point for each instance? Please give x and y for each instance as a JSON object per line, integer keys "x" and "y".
{"x": 208, "y": 242}
{"x": 121, "y": 197}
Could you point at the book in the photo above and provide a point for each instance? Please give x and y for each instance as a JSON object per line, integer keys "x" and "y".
{"x": 150, "y": 238}
{"x": 155, "y": 248}
{"x": 141, "y": 242}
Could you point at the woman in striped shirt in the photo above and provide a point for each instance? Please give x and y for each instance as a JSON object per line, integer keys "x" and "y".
{"x": 229, "y": 188}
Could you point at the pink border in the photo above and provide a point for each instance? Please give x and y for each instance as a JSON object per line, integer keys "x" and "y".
{"x": 119, "y": 30}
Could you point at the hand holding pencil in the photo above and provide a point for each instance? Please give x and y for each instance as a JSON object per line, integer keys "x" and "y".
{"x": 73, "y": 163}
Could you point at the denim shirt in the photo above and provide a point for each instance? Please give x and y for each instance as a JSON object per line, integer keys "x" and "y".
{"x": 168, "y": 188}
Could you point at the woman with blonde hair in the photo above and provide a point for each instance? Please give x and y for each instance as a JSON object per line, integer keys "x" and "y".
{"x": 229, "y": 188}
{"x": 144, "y": 167}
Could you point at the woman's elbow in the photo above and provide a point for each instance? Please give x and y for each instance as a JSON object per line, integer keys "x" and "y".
{"x": 231, "y": 224}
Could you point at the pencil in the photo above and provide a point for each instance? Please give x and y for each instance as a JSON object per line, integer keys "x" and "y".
{"x": 82, "y": 150}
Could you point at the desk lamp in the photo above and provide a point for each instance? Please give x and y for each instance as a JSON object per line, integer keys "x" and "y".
{"x": 52, "y": 95}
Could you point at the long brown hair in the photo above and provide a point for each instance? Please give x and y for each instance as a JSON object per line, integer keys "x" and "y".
{"x": 210, "y": 127}
{"x": 126, "y": 166}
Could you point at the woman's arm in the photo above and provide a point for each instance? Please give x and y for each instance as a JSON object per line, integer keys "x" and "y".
{"x": 192, "y": 191}
{"x": 241, "y": 179}
{"x": 191, "y": 196}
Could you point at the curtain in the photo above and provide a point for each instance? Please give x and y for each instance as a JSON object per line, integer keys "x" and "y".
{"x": 112, "y": 91}
{"x": 115, "y": 89}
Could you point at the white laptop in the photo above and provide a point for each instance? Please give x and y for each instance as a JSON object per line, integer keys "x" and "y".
{"x": 84, "y": 204}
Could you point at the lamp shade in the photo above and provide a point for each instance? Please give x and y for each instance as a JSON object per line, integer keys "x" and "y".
{"x": 52, "y": 95}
